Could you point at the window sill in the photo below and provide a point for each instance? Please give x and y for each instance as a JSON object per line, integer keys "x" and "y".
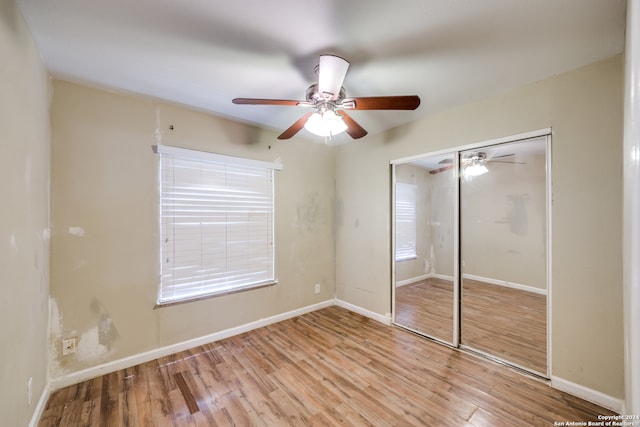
{"x": 407, "y": 258}
{"x": 215, "y": 294}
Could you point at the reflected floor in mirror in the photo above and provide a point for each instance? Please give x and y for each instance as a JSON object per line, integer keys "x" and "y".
{"x": 426, "y": 307}
{"x": 507, "y": 323}
{"x": 325, "y": 368}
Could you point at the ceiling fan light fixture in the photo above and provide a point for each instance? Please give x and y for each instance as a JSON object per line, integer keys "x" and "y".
{"x": 326, "y": 123}
{"x": 475, "y": 169}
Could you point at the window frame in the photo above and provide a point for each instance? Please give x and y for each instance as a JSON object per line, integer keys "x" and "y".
{"x": 170, "y": 293}
{"x": 406, "y": 250}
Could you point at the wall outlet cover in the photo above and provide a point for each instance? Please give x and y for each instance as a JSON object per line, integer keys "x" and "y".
{"x": 68, "y": 346}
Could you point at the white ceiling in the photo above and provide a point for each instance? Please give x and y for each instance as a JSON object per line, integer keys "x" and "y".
{"x": 204, "y": 53}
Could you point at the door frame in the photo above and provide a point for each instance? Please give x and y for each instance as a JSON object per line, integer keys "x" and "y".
{"x": 547, "y": 133}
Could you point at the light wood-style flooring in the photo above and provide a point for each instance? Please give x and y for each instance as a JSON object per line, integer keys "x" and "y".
{"x": 329, "y": 367}
{"x": 507, "y": 323}
{"x": 426, "y": 307}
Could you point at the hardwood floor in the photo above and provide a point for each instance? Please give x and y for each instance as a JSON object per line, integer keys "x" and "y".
{"x": 329, "y": 367}
{"x": 426, "y": 307}
{"x": 504, "y": 322}
{"x": 507, "y": 323}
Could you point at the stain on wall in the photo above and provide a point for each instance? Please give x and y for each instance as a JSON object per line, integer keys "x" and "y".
{"x": 76, "y": 231}
{"x": 99, "y": 340}
{"x": 310, "y": 211}
{"x": 55, "y": 339}
{"x": 517, "y": 214}
{"x": 93, "y": 343}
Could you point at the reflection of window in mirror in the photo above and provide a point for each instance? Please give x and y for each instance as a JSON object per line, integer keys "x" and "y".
{"x": 405, "y": 221}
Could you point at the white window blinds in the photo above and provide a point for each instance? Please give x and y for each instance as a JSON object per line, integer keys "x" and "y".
{"x": 405, "y": 220}
{"x": 216, "y": 217}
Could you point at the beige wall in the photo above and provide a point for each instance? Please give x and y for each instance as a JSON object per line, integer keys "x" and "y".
{"x": 434, "y": 223}
{"x": 498, "y": 241}
{"x": 442, "y": 207}
{"x": 24, "y": 219}
{"x": 105, "y": 231}
{"x": 584, "y": 107}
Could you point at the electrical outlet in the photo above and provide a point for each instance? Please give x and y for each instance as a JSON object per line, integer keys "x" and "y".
{"x": 317, "y": 288}
{"x": 68, "y": 346}
{"x": 29, "y": 390}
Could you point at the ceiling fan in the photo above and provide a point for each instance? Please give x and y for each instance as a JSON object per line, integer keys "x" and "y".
{"x": 328, "y": 100}
{"x": 474, "y": 163}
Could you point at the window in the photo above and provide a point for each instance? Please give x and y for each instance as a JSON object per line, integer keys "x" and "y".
{"x": 405, "y": 221}
{"x": 216, "y": 219}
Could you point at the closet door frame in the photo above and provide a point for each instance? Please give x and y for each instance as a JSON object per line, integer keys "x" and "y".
{"x": 455, "y": 338}
{"x": 547, "y": 134}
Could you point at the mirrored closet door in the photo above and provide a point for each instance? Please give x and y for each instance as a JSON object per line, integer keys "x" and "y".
{"x": 425, "y": 243}
{"x": 470, "y": 250}
{"x": 503, "y": 230}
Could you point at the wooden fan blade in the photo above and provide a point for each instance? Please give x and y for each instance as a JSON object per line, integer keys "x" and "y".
{"x": 296, "y": 127}
{"x": 408, "y": 102}
{"x": 442, "y": 169}
{"x": 257, "y": 101}
{"x": 354, "y": 130}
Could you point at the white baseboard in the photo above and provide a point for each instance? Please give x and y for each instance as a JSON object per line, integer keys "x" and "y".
{"x": 423, "y": 277}
{"x": 558, "y": 383}
{"x": 366, "y": 313}
{"x": 594, "y": 396}
{"x": 413, "y": 280}
{"x": 39, "y": 409}
{"x": 504, "y": 283}
{"x": 116, "y": 365}
{"x": 443, "y": 277}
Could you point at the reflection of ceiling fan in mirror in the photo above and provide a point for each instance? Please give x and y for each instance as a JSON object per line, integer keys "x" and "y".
{"x": 329, "y": 101}
{"x": 473, "y": 164}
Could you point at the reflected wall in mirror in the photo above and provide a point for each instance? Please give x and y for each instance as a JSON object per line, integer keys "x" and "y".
{"x": 424, "y": 214}
{"x": 503, "y": 229}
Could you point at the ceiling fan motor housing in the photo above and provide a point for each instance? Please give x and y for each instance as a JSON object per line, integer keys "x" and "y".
{"x": 322, "y": 102}
{"x": 478, "y": 157}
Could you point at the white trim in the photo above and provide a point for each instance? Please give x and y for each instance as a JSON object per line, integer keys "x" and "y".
{"x": 631, "y": 210}
{"x": 457, "y": 283}
{"x": 410, "y": 159}
{"x": 501, "y": 140}
{"x": 443, "y": 277}
{"x": 186, "y": 153}
{"x": 407, "y": 258}
{"x": 392, "y": 249}
{"x": 39, "y": 409}
{"x": 506, "y": 284}
{"x": 126, "y": 362}
{"x": 366, "y": 313}
{"x": 506, "y": 139}
{"x": 549, "y": 190}
{"x": 586, "y": 393}
{"x": 411, "y": 280}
